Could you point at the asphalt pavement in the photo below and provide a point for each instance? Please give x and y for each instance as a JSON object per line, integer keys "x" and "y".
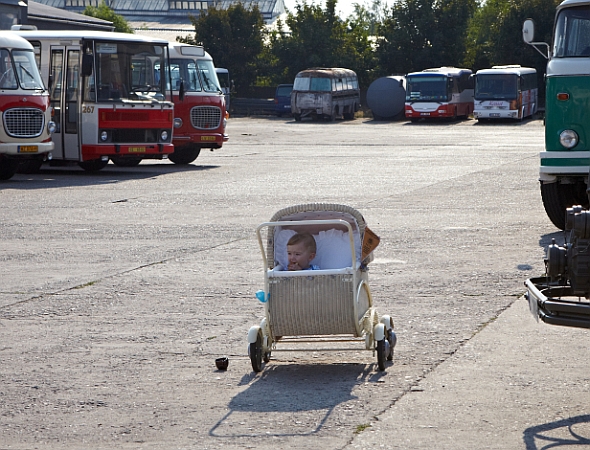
{"x": 120, "y": 289}
{"x": 516, "y": 384}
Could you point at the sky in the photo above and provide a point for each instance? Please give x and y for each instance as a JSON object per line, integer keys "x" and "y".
{"x": 344, "y": 7}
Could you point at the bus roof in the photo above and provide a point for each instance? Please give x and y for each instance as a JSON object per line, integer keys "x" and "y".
{"x": 570, "y": 3}
{"x": 88, "y": 34}
{"x": 179, "y": 49}
{"x": 448, "y": 71}
{"x": 326, "y": 72}
{"x": 516, "y": 70}
{"x": 9, "y": 39}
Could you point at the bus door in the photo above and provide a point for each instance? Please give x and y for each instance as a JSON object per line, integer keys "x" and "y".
{"x": 64, "y": 79}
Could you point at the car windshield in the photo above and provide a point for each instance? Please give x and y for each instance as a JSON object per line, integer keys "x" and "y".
{"x": 284, "y": 91}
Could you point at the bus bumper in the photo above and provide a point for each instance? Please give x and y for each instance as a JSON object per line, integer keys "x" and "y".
{"x": 564, "y": 163}
{"x": 209, "y": 140}
{"x": 144, "y": 151}
{"x": 442, "y": 111}
{"x": 495, "y": 114}
{"x": 35, "y": 148}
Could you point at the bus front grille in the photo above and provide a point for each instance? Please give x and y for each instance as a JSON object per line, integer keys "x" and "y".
{"x": 24, "y": 122}
{"x": 206, "y": 117}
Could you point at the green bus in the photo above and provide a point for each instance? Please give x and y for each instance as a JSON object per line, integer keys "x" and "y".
{"x": 565, "y": 162}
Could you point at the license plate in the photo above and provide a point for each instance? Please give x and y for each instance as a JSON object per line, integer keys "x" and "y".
{"x": 207, "y": 138}
{"x": 137, "y": 150}
{"x": 424, "y": 114}
{"x": 494, "y": 114}
{"x": 27, "y": 149}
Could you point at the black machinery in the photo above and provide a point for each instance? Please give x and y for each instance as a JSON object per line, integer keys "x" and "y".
{"x": 562, "y": 296}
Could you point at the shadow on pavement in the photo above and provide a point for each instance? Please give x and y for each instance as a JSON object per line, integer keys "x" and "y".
{"x": 287, "y": 391}
{"x": 561, "y": 433}
{"x": 59, "y": 177}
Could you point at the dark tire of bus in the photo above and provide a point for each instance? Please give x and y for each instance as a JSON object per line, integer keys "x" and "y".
{"x": 125, "y": 162}
{"x": 8, "y": 167}
{"x": 184, "y": 155}
{"x": 94, "y": 165}
{"x": 557, "y": 197}
{"x": 32, "y": 165}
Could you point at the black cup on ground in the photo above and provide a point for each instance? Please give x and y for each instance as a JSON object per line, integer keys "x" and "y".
{"x": 222, "y": 363}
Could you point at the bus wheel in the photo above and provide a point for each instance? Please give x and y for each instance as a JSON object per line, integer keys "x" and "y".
{"x": 32, "y": 165}
{"x": 557, "y": 197}
{"x": 94, "y": 165}
{"x": 8, "y": 167}
{"x": 125, "y": 162}
{"x": 184, "y": 155}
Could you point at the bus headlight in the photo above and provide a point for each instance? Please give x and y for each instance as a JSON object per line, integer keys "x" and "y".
{"x": 164, "y": 135}
{"x": 51, "y": 127}
{"x": 568, "y": 138}
{"x": 177, "y": 122}
{"x": 104, "y": 136}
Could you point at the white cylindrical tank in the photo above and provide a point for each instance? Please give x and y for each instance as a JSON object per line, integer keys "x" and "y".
{"x": 386, "y": 97}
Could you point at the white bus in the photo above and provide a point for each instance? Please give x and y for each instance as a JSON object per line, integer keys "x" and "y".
{"x": 110, "y": 95}
{"x": 505, "y": 92}
{"x": 325, "y": 93}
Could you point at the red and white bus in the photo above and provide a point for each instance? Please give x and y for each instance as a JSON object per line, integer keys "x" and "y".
{"x": 109, "y": 93}
{"x": 199, "y": 103}
{"x": 505, "y": 92}
{"x": 25, "y": 135}
{"x": 440, "y": 92}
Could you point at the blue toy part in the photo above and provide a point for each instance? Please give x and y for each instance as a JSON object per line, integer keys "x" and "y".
{"x": 261, "y": 295}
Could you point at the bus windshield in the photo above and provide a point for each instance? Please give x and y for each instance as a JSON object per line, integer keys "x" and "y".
{"x": 21, "y": 70}
{"x": 198, "y": 75}
{"x": 572, "y": 33}
{"x": 490, "y": 87}
{"x": 128, "y": 71}
{"x": 426, "y": 88}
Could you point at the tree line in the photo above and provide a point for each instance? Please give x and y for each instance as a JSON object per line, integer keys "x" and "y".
{"x": 375, "y": 41}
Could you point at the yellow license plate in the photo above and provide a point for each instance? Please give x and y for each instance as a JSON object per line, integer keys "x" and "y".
{"x": 27, "y": 149}
{"x": 137, "y": 150}
{"x": 207, "y": 138}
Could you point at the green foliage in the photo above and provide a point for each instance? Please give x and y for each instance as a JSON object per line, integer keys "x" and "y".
{"x": 418, "y": 34}
{"x": 319, "y": 38}
{"x": 105, "y": 13}
{"x": 234, "y": 37}
{"x": 495, "y": 34}
{"x": 376, "y": 40}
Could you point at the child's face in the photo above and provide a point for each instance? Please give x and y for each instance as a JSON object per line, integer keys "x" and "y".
{"x": 299, "y": 256}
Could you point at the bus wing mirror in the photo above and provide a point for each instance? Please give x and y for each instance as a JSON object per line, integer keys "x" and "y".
{"x": 528, "y": 31}
{"x": 528, "y": 36}
{"x": 181, "y": 91}
{"x": 86, "y": 65}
